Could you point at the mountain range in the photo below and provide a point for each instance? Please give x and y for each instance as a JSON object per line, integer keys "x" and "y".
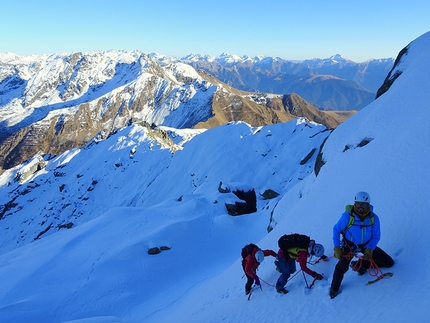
{"x": 52, "y": 103}
{"x": 334, "y": 83}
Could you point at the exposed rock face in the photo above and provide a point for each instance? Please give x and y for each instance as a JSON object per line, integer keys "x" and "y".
{"x": 393, "y": 75}
{"x": 269, "y": 194}
{"x": 297, "y": 106}
{"x": 35, "y": 167}
{"x": 258, "y": 109}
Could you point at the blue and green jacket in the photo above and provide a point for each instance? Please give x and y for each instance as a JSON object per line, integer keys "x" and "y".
{"x": 366, "y": 232}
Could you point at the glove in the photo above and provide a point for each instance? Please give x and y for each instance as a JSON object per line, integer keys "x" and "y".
{"x": 257, "y": 280}
{"x": 368, "y": 254}
{"x": 337, "y": 252}
{"x": 317, "y": 276}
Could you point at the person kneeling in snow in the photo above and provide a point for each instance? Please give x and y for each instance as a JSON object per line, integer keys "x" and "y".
{"x": 292, "y": 248}
{"x": 252, "y": 257}
{"x": 360, "y": 231}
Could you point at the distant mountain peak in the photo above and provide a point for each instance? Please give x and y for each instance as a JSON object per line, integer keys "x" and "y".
{"x": 337, "y": 57}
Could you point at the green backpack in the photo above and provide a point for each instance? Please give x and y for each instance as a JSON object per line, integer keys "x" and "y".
{"x": 350, "y": 208}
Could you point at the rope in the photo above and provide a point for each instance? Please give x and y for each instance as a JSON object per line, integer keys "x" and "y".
{"x": 267, "y": 282}
{"x": 291, "y": 277}
{"x": 310, "y": 262}
{"x": 373, "y": 269}
{"x": 314, "y": 262}
{"x": 351, "y": 254}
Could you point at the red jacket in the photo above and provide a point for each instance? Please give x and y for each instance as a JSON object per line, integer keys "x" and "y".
{"x": 302, "y": 260}
{"x": 251, "y": 264}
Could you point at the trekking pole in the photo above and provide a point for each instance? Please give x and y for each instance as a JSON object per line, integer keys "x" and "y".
{"x": 304, "y": 277}
{"x": 291, "y": 277}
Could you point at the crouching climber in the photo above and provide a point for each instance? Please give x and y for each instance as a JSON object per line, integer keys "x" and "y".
{"x": 252, "y": 256}
{"x": 292, "y": 248}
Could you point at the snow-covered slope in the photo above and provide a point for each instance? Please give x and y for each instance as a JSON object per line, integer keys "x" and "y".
{"x": 133, "y": 168}
{"x": 99, "y": 270}
{"x": 135, "y": 189}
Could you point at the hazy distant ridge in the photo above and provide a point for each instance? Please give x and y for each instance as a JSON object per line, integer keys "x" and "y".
{"x": 342, "y": 84}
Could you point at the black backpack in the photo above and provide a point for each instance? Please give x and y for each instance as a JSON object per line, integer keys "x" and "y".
{"x": 294, "y": 240}
{"x": 247, "y": 251}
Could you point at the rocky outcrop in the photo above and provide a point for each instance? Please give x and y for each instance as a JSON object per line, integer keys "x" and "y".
{"x": 247, "y": 204}
{"x": 157, "y": 250}
{"x": 297, "y": 106}
{"x": 393, "y": 74}
{"x": 269, "y": 194}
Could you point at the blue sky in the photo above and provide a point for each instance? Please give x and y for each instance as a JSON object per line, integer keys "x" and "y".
{"x": 287, "y": 29}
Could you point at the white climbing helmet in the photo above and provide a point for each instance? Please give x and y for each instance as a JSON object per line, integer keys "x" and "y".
{"x": 362, "y": 197}
{"x": 259, "y": 255}
{"x": 318, "y": 250}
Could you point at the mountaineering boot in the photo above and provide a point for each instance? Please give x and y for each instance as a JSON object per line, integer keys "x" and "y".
{"x": 355, "y": 266}
{"x": 362, "y": 271}
{"x": 333, "y": 293}
{"x": 282, "y": 291}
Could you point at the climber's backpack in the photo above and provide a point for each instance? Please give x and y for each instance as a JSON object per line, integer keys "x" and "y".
{"x": 295, "y": 240}
{"x": 247, "y": 251}
{"x": 350, "y": 209}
